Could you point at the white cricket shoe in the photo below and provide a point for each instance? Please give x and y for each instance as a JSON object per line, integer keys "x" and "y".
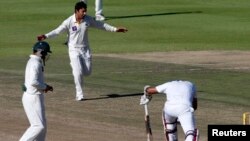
{"x": 79, "y": 98}
{"x": 99, "y": 17}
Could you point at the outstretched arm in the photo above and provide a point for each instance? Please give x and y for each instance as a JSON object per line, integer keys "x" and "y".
{"x": 55, "y": 32}
{"x": 105, "y": 26}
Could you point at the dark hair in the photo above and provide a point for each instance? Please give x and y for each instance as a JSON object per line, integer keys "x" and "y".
{"x": 80, "y": 5}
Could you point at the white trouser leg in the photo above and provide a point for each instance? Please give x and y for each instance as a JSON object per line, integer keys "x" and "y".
{"x": 187, "y": 121}
{"x": 76, "y": 66}
{"x": 35, "y": 111}
{"x": 170, "y": 127}
{"x": 80, "y": 62}
{"x": 184, "y": 114}
{"x": 98, "y": 7}
{"x": 192, "y": 135}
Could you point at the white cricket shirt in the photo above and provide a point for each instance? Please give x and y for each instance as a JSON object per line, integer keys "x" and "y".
{"x": 178, "y": 92}
{"x": 34, "y": 78}
{"x": 78, "y": 32}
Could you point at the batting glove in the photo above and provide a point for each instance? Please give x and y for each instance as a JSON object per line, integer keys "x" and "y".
{"x": 145, "y": 89}
{"x": 148, "y": 96}
{"x": 144, "y": 100}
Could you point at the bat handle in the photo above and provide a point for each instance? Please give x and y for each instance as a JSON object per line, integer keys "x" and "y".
{"x": 148, "y": 128}
{"x": 146, "y": 109}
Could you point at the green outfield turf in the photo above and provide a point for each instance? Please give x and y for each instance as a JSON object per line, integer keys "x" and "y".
{"x": 162, "y": 25}
{"x": 112, "y": 90}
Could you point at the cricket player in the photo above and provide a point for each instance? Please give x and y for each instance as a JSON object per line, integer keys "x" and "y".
{"x": 98, "y": 10}
{"x": 33, "y": 97}
{"x": 79, "y": 50}
{"x": 181, "y": 101}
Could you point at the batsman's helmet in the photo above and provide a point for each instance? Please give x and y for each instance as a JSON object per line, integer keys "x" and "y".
{"x": 42, "y": 46}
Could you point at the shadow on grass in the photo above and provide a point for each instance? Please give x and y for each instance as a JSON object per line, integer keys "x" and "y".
{"x": 117, "y": 96}
{"x": 149, "y": 15}
{"x": 114, "y": 96}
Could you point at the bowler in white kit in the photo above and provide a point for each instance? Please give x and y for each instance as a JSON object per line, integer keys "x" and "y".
{"x": 80, "y": 55}
{"x": 181, "y": 101}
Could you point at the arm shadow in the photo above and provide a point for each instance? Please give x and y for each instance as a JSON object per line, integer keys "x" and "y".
{"x": 114, "y": 96}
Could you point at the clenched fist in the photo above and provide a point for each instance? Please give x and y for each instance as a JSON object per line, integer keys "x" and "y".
{"x": 48, "y": 88}
{"x": 41, "y": 37}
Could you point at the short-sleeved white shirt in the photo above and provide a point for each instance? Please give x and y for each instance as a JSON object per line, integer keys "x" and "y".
{"x": 178, "y": 92}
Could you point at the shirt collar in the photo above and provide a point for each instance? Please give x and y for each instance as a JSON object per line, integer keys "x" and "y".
{"x": 74, "y": 19}
{"x": 35, "y": 57}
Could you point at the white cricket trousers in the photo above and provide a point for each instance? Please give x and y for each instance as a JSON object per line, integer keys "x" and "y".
{"x": 185, "y": 115}
{"x": 35, "y": 110}
{"x": 81, "y": 64}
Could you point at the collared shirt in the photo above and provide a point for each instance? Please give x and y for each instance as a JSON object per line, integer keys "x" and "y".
{"x": 178, "y": 92}
{"x": 78, "y": 32}
{"x": 34, "y": 77}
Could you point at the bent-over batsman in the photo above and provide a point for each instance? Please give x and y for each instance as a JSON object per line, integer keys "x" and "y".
{"x": 180, "y": 105}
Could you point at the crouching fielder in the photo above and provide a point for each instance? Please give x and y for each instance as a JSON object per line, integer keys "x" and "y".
{"x": 180, "y": 105}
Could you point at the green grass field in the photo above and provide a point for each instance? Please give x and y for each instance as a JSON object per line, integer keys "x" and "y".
{"x": 154, "y": 26}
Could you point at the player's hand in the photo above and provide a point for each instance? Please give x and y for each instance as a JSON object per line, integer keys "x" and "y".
{"x": 149, "y": 96}
{"x": 145, "y": 89}
{"x": 48, "y": 88}
{"x": 41, "y": 37}
{"x": 146, "y": 98}
{"x": 121, "y": 29}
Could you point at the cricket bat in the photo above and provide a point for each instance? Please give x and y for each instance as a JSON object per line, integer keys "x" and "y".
{"x": 147, "y": 124}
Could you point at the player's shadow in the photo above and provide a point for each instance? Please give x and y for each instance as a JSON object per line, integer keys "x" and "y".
{"x": 114, "y": 96}
{"x": 150, "y": 15}
{"x": 117, "y": 96}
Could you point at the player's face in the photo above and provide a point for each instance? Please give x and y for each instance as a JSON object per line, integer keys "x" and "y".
{"x": 81, "y": 13}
